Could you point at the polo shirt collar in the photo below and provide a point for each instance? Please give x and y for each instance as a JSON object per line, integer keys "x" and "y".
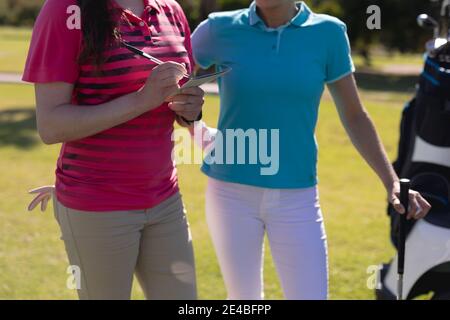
{"x": 299, "y": 20}
{"x": 152, "y": 4}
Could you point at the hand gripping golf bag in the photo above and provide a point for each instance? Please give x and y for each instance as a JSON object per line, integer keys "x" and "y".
{"x": 424, "y": 146}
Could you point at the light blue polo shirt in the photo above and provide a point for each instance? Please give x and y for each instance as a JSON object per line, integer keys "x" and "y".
{"x": 276, "y": 84}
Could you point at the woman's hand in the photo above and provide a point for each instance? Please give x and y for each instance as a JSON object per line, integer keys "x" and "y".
{"x": 160, "y": 85}
{"x": 364, "y": 136}
{"x": 44, "y": 194}
{"x": 418, "y": 206}
{"x": 59, "y": 121}
{"x": 188, "y": 104}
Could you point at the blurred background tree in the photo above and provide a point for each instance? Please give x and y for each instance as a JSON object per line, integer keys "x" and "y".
{"x": 19, "y": 12}
{"x": 399, "y": 21}
{"x": 399, "y": 29}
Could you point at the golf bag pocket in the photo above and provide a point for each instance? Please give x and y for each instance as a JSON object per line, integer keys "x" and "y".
{"x": 433, "y": 120}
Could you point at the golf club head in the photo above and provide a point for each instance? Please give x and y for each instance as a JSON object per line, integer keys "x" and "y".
{"x": 425, "y": 21}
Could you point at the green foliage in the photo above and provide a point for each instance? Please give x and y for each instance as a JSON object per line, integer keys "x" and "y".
{"x": 233, "y": 4}
{"x": 399, "y": 29}
{"x": 19, "y": 12}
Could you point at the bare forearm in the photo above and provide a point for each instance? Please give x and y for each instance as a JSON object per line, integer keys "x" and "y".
{"x": 73, "y": 122}
{"x": 361, "y": 129}
{"x": 60, "y": 121}
{"x": 365, "y": 138}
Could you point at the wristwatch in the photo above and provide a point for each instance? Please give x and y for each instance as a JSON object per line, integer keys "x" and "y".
{"x": 189, "y": 122}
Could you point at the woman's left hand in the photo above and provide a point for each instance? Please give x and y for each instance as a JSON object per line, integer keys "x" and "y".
{"x": 44, "y": 194}
{"x": 188, "y": 104}
{"x": 418, "y": 206}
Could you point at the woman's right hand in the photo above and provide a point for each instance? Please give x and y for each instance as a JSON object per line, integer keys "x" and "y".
{"x": 160, "y": 85}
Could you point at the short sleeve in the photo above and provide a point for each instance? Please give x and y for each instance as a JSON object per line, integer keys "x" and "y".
{"x": 203, "y": 46}
{"x": 55, "y": 44}
{"x": 339, "y": 58}
{"x": 187, "y": 37}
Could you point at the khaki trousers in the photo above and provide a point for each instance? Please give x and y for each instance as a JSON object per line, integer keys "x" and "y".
{"x": 108, "y": 248}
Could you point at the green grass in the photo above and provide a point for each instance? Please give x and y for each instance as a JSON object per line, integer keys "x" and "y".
{"x": 383, "y": 59}
{"x": 14, "y": 44}
{"x": 14, "y": 48}
{"x": 32, "y": 258}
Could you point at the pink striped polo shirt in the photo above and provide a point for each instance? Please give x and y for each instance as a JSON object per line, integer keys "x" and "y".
{"x": 127, "y": 167}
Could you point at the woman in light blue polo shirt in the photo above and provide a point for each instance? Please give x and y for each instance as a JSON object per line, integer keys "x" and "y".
{"x": 262, "y": 169}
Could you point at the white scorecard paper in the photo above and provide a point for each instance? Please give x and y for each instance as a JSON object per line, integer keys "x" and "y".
{"x": 201, "y": 80}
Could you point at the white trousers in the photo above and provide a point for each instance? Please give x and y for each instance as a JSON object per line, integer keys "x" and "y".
{"x": 238, "y": 217}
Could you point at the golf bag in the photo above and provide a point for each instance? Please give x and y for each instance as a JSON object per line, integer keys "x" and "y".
{"x": 424, "y": 158}
{"x": 424, "y": 147}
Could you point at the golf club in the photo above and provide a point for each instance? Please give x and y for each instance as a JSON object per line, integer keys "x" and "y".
{"x": 445, "y": 8}
{"x": 425, "y": 21}
{"x": 404, "y": 199}
{"x": 445, "y": 15}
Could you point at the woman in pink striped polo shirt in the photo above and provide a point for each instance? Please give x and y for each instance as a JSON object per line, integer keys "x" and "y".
{"x": 117, "y": 200}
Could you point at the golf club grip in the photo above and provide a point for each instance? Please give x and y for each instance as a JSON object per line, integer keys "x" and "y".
{"x": 404, "y": 199}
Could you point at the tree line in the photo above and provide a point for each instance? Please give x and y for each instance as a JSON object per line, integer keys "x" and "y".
{"x": 399, "y": 30}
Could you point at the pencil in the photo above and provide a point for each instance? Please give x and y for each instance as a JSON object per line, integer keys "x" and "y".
{"x": 147, "y": 56}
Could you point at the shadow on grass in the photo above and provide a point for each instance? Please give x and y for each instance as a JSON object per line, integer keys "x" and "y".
{"x": 384, "y": 82}
{"x": 18, "y": 128}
